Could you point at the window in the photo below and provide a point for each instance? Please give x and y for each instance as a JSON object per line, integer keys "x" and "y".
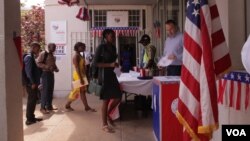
{"x": 134, "y": 18}
{"x": 173, "y": 10}
{"x": 165, "y": 10}
{"x": 100, "y": 18}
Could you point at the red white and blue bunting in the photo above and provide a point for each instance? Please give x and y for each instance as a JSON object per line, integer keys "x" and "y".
{"x": 119, "y": 31}
{"x": 83, "y": 14}
{"x": 233, "y": 90}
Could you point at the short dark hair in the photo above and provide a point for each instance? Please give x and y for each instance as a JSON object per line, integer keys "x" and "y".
{"x": 53, "y": 44}
{"x": 77, "y": 45}
{"x": 171, "y": 22}
{"x": 106, "y": 32}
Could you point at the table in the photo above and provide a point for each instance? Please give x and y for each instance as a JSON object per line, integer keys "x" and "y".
{"x": 131, "y": 84}
{"x": 141, "y": 89}
{"x": 165, "y": 100}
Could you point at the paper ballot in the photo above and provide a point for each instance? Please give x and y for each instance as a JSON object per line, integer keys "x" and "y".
{"x": 77, "y": 83}
{"x": 164, "y": 61}
{"x": 245, "y": 55}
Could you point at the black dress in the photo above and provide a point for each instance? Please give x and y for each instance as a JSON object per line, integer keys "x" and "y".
{"x": 106, "y": 76}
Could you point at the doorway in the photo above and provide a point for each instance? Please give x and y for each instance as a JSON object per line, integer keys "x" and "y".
{"x": 127, "y": 52}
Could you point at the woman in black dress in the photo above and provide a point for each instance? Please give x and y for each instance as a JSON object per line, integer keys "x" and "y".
{"x": 105, "y": 59}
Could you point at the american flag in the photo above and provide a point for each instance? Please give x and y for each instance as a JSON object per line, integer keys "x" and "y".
{"x": 205, "y": 57}
{"x": 233, "y": 90}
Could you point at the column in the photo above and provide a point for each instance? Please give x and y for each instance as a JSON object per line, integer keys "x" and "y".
{"x": 11, "y": 123}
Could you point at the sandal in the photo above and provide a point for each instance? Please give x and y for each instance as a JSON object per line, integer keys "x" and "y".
{"x": 108, "y": 129}
{"x": 68, "y": 107}
{"x": 90, "y": 110}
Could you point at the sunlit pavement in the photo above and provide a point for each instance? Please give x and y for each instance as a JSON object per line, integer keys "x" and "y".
{"x": 79, "y": 125}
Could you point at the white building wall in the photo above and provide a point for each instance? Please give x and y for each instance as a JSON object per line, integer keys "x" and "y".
{"x": 232, "y": 17}
{"x": 237, "y": 31}
{"x": 57, "y": 12}
{"x": 248, "y": 17}
{"x": 223, "y": 11}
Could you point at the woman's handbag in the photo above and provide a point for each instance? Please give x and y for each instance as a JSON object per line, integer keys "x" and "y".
{"x": 94, "y": 87}
{"x": 98, "y": 89}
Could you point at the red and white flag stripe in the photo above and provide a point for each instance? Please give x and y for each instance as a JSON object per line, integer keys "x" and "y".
{"x": 205, "y": 57}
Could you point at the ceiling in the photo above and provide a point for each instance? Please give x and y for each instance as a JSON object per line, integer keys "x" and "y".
{"x": 121, "y": 2}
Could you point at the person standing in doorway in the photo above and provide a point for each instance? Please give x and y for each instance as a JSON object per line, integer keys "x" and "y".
{"x": 105, "y": 60}
{"x": 79, "y": 73}
{"x": 32, "y": 78}
{"x": 173, "y": 48}
{"x": 47, "y": 62}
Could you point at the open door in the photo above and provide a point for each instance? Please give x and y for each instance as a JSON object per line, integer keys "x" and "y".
{"x": 127, "y": 52}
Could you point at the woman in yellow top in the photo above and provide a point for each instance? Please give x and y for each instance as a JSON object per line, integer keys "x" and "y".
{"x": 79, "y": 73}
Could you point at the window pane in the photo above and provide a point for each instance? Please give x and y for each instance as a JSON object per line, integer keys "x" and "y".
{"x": 172, "y": 10}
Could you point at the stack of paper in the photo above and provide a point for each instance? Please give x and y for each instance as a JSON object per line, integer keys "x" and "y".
{"x": 117, "y": 71}
{"x": 77, "y": 83}
{"x": 134, "y": 73}
{"x": 164, "y": 62}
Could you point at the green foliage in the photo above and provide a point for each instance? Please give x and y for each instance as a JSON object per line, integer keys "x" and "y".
{"x": 32, "y": 27}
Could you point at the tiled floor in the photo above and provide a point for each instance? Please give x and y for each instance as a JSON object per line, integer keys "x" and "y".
{"x": 79, "y": 125}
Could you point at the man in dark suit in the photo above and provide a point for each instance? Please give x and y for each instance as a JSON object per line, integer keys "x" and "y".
{"x": 33, "y": 74}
